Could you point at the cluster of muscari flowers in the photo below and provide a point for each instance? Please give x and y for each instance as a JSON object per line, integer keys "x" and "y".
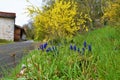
{"x": 53, "y": 48}
{"x": 44, "y": 46}
{"x": 74, "y": 48}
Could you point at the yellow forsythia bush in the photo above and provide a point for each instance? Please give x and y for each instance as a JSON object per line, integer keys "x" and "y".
{"x": 62, "y": 20}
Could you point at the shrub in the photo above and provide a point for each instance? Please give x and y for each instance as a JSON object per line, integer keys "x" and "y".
{"x": 112, "y": 12}
{"x": 60, "y": 21}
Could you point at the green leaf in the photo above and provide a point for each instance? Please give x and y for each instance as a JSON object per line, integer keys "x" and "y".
{"x": 21, "y": 78}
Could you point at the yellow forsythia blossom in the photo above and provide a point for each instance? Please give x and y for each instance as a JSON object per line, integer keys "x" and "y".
{"x": 59, "y": 21}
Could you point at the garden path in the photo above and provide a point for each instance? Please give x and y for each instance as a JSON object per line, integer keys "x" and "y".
{"x": 11, "y": 54}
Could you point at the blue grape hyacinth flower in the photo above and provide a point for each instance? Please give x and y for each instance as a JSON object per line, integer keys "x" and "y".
{"x": 89, "y": 48}
{"x": 83, "y": 51}
{"x": 74, "y": 48}
{"x": 71, "y": 47}
{"x": 45, "y": 45}
{"x": 48, "y": 49}
{"x": 85, "y": 44}
{"x": 78, "y": 50}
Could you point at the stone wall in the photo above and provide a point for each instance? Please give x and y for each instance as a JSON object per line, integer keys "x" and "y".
{"x": 7, "y": 28}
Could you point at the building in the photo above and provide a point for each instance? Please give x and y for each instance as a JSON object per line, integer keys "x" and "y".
{"x": 8, "y": 29}
{"x": 19, "y": 33}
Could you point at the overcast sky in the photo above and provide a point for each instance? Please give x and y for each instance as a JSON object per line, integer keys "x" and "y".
{"x": 18, "y": 7}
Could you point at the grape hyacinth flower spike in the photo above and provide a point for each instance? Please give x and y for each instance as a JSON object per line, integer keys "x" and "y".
{"x": 48, "y": 49}
{"x": 89, "y": 48}
{"x": 83, "y": 51}
{"x": 78, "y": 50}
{"x": 74, "y": 47}
{"x": 85, "y": 44}
{"x": 45, "y": 45}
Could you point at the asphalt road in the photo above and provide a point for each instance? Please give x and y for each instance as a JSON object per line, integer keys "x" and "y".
{"x": 11, "y": 54}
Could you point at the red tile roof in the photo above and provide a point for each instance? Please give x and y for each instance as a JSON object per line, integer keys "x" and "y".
{"x": 7, "y": 14}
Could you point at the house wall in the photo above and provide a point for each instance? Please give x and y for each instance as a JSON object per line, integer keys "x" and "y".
{"x": 7, "y": 28}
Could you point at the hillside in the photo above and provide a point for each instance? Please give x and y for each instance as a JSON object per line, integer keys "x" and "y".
{"x": 99, "y": 60}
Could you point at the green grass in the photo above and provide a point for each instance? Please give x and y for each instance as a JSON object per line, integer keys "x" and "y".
{"x": 106, "y": 47}
{"x": 103, "y": 63}
{"x": 3, "y": 41}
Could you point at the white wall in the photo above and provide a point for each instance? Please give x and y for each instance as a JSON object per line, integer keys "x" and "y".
{"x": 7, "y": 28}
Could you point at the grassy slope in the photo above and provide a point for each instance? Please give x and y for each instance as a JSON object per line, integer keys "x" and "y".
{"x": 2, "y": 41}
{"x": 105, "y": 48}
